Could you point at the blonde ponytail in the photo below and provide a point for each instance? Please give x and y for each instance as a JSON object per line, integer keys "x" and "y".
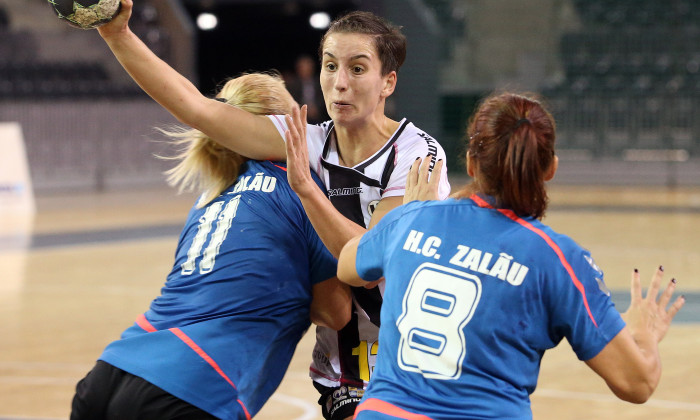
{"x": 206, "y": 166}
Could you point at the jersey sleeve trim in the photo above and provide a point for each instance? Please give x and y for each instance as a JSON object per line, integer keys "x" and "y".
{"x": 511, "y": 215}
{"x": 280, "y": 124}
{"x": 390, "y": 191}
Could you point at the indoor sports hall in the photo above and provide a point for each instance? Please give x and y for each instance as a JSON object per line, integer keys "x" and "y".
{"x": 88, "y": 226}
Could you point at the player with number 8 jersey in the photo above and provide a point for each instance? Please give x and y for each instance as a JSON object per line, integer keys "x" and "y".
{"x": 478, "y": 288}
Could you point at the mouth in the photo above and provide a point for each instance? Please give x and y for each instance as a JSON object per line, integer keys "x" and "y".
{"x": 339, "y": 104}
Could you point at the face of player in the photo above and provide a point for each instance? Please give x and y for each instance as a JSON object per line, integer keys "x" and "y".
{"x": 353, "y": 87}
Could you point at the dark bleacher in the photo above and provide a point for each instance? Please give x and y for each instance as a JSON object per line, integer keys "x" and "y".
{"x": 26, "y": 75}
{"x": 632, "y": 77}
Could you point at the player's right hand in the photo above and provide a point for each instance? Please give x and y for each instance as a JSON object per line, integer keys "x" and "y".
{"x": 421, "y": 182}
{"x": 651, "y": 315}
{"x": 120, "y": 23}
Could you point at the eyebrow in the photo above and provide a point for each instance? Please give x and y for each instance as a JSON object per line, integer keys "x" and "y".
{"x": 354, "y": 57}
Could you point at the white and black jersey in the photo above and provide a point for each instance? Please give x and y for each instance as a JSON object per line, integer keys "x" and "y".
{"x": 348, "y": 356}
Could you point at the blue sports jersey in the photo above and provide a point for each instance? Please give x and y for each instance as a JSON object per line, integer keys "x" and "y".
{"x": 221, "y": 334}
{"x": 474, "y": 296}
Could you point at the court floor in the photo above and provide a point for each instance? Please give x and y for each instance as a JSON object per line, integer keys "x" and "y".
{"x": 78, "y": 272}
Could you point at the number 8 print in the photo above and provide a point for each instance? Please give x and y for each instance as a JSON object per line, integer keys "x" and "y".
{"x": 437, "y": 305}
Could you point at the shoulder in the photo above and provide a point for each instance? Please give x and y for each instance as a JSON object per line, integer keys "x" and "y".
{"x": 421, "y": 210}
{"x": 413, "y": 139}
{"x": 557, "y": 246}
{"x": 319, "y": 130}
{"x": 563, "y": 241}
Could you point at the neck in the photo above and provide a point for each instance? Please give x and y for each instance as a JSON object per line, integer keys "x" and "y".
{"x": 357, "y": 143}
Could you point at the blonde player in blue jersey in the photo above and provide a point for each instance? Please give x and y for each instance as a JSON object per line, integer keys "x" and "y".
{"x": 477, "y": 288}
{"x": 249, "y": 274}
{"x": 361, "y": 155}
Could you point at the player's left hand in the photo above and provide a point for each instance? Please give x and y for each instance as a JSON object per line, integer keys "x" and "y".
{"x": 422, "y": 183}
{"x": 298, "y": 169}
{"x": 651, "y": 315}
{"x": 120, "y": 23}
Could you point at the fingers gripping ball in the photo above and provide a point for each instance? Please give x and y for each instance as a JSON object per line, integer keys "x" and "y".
{"x": 86, "y": 14}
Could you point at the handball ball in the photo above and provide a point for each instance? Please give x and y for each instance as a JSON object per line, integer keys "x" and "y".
{"x": 86, "y": 14}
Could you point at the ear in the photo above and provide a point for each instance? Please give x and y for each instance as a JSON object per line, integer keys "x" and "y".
{"x": 552, "y": 169}
{"x": 389, "y": 84}
{"x": 470, "y": 165}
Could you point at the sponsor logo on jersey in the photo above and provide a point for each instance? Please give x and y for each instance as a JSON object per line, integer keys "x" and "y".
{"x": 432, "y": 148}
{"x": 372, "y": 206}
{"x": 343, "y": 396}
{"x": 344, "y": 191}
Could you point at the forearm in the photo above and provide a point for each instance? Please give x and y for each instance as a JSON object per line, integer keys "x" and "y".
{"x": 630, "y": 366}
{"x": 334, "y": 229}
{"x": 160, "y": 81}
{"x": 648, "y": 361}
{"x": 233, "y": 128}
{"x": 347, "y": 270}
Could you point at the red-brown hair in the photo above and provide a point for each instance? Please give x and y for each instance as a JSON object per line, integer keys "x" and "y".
{"x": 511, "y": 144}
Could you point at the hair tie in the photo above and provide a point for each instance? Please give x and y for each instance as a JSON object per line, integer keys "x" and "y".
{"x": 520, "y": 122}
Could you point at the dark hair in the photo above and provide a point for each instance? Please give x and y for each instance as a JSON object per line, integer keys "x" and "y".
{"x": 388, "y": 39}
{"x": 511, "y": 142}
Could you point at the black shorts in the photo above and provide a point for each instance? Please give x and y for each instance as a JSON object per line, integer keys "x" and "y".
{"x": 109, "y": 393}
{"x": 340, "y": 402}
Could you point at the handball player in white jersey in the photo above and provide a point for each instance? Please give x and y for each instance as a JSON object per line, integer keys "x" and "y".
{"x": 361, "y": 155}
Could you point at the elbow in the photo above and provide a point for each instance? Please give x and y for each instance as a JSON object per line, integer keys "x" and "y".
{"x": 635, "y": 392}
{"x": 335, "y": 319}
{"x": 332, "y": 309}
{"x": 341, "y": 320}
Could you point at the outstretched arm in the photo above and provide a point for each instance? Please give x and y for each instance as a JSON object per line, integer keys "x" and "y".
{"x": 347, "y": 269}
{"x": 630, "y": 364}
{"x": 334, "y": 229}
{"x": 230, "y": 126}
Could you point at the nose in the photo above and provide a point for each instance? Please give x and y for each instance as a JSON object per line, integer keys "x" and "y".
{"x": 341, "y": 80}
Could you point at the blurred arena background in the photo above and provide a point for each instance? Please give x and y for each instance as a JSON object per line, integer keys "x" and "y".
{"x": 622, "y": 78}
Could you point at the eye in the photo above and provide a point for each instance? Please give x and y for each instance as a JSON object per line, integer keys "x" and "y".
{"x": 330, "y": 66}
{"x": 358, "y": 69}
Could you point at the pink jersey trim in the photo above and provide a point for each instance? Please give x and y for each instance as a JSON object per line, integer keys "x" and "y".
{"x": 511, "y": 215}
{"x": 393, "y": 189}
{"x": 187, "y": 340}
{"x": 184, "y": 337}
{"x": 142, "y": 322}
{"x": 323, "y": 375}
{"x": 341, "y": 381}
{"x": 280, "y": 121}
{"x": 374, "y": 404}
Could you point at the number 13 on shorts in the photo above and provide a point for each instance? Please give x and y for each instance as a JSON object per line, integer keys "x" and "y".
{"x": 439, "y": 302}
